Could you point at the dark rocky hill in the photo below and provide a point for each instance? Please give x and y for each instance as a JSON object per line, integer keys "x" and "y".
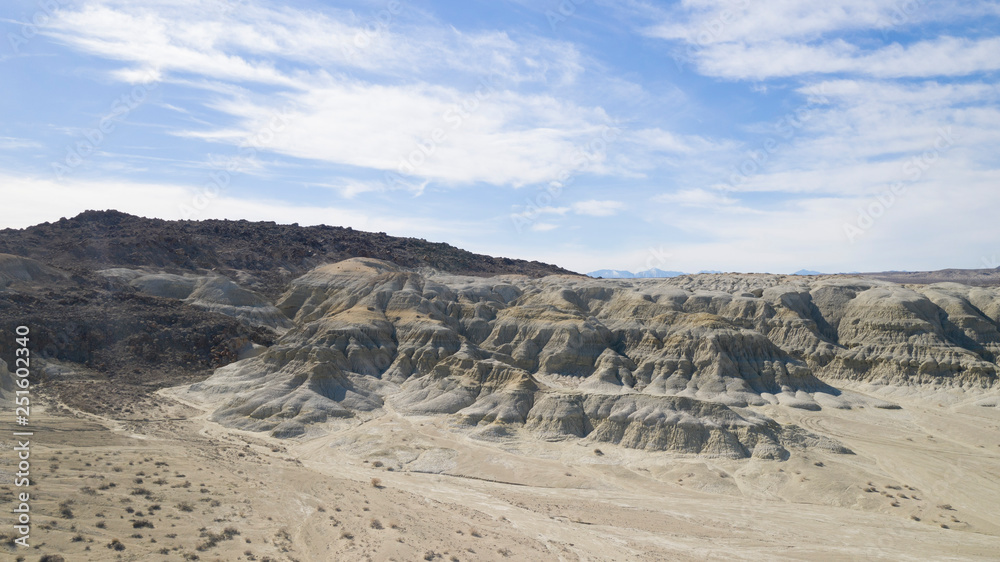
{"x": 276, "y": 253}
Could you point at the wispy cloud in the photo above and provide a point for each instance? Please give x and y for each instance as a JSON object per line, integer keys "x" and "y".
{"x": 402, "y": 119}
{"x": 595, "y": 208}
{"x": 11, "y": 143}
{"x": 696, "y": 198}
{"x": 944, "y": 56}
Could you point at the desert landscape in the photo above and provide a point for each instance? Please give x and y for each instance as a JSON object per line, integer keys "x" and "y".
{"x": 568, "y": 281}
{"x": 370, "y": 398}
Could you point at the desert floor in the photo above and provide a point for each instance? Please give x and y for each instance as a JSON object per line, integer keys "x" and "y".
{"x": 164, "y": 483}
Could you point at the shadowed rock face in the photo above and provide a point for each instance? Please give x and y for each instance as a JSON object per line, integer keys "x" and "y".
{"x": 7, "y": 386}
{"x": 672, "y": 364}
{"x": 212, "y": 293}
{"x": 17, "y": 269}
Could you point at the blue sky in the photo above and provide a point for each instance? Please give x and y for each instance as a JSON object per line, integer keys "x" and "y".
{"x": 734, "y": 135}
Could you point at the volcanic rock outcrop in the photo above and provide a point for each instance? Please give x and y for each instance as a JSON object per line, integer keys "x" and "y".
{"x": 675, "y": 364}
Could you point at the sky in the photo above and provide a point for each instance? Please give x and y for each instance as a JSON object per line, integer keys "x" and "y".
{"x": 730, "y": 135}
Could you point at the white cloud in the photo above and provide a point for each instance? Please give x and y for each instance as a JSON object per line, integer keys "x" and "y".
{"x": 595, "y": 208}
{"x": 943, "y": 56}
{"x": 402, "y": 118}
{"x": 786, "y": 38}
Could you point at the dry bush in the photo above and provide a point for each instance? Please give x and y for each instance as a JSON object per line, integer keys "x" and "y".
{"x": 377, "y": 483}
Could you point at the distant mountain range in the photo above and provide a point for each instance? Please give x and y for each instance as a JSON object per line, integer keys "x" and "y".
{"x": 659, "y": 273}
{"x": 648, "y": 274}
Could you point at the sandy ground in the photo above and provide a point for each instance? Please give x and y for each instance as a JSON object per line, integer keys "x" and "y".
{"x": 923, "y": 485}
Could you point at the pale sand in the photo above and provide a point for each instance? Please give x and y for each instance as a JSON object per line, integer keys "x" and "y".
{"x": 526, "y": 500}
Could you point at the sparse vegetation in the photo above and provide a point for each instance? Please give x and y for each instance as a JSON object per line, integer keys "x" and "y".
{"x": 213, "y": 539}
{"x": 377, "y": 483}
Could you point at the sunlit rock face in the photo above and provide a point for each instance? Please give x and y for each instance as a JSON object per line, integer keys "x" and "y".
{"x": 664, "y": 364}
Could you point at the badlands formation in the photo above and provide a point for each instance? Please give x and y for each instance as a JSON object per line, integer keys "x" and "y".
{"x": 364, "y": 410}
{"x": 680, "y": 365}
